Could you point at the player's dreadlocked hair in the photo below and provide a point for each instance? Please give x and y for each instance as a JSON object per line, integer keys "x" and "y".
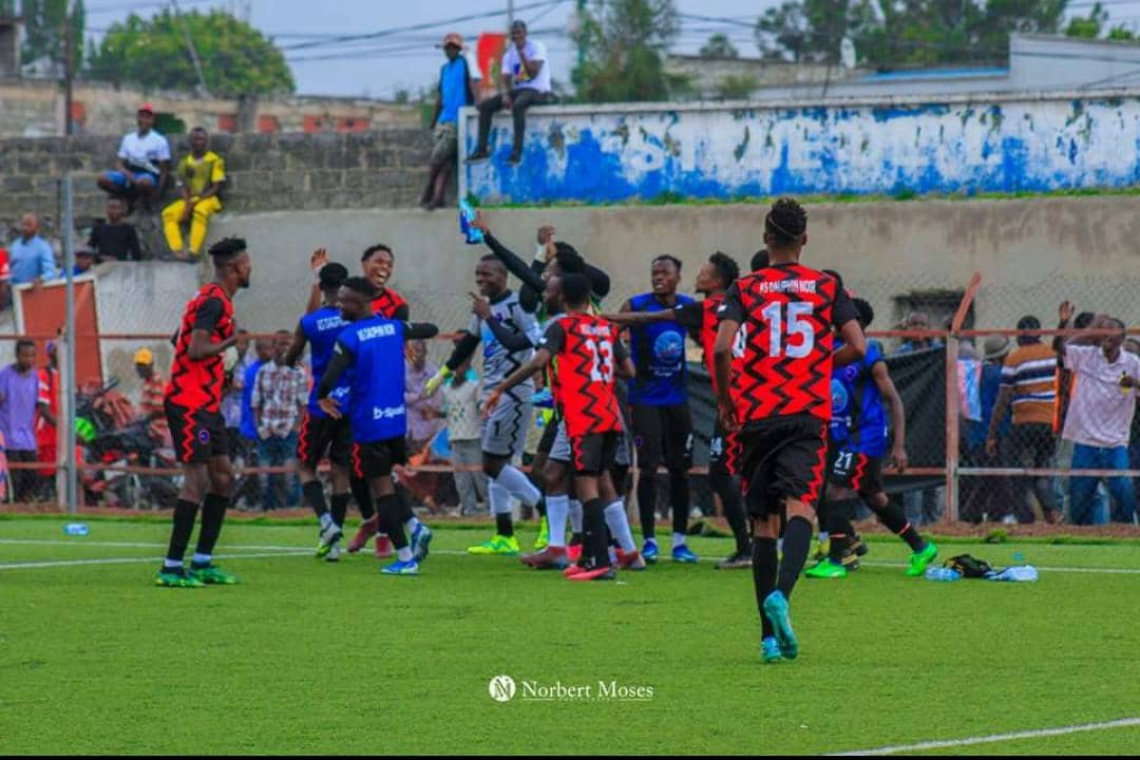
{"x": 226, "y": 250}
{"x": 786, "y": 221}
{"x": 865, "y": 311}
{"x": 361, "y": 285}
{"x": 726, "y": 268}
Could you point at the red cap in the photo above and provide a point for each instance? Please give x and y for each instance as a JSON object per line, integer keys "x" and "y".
{"x": 146, "y": 107}
{"x": 452, "y": 38}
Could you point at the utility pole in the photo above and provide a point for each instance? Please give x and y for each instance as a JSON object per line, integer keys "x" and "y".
{"x": 510, "y": 13}
{"x": 68, "y": 66}
{"x": 581, "y": 33}
{"x": 190, "y": 47}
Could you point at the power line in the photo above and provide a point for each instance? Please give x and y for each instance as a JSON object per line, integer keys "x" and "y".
{"x": 140, "y": 7}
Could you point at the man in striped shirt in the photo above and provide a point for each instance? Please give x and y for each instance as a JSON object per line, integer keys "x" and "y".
{"x": 1027, "y": 382}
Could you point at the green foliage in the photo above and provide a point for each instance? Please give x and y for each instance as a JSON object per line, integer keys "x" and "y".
{"x": 719, "y": 46}
{"x": 43, "y": 29}
{"x": 736, "y": 87}
{"x": 624, "y": 43}
{"x": 1088, "y": 26}
{"x": 236, "y": 58}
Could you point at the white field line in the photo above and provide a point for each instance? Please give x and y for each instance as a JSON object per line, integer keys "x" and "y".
{"x": 134, "y": 560}
{"x": 991, "y": 738}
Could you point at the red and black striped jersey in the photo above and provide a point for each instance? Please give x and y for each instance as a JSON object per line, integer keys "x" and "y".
{"x": 586, "y": 349}
{"x": 390, "y": 305}
{"x": 197, "y": 385}
{"x": 782, "y": 354}
{"x": 703, "y": 320}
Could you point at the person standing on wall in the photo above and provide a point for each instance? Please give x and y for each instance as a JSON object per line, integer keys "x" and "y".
{"x": 526, "y": 78}
{"x": 456, "y": 89}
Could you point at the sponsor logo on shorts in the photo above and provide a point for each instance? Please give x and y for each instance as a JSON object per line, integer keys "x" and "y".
{"x": 203, "y": 436}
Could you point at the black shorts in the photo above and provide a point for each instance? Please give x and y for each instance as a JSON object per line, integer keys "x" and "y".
{"x": 663, "y": 435}
{"x": 595, "y": 453}
{"x": 376, "y": 459}
{"x": 198, "y": 435}
{"x": 724, "y": 452}
{"x": 324, "y": 435}
{"x": 784, "y": 458}
{"x": 860, "y": 473}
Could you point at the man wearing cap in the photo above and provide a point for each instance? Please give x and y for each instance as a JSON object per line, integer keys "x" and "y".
{"x": 454, "y": 91}
{"x": 526, "y": 78}
{"x": 144, "y": 160}
{"x": 150, "y": 397}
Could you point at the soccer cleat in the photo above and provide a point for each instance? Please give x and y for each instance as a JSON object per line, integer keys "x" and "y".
{"x": 212, "y": 575}
{"x": 573, "y": 570}
{"x": 650, "y": 551}
{"x": 421, "y": 542}
{"x": 821, "y": 550}
{"x": 366, "y": 531}
{"x": 384, "y": 546}
{"x": 176, "y": 578}
{"x": 507, "y": 546}
{"x": 683, "y": 554}
{"x": 329, "y": 537}
{"x": 574, "y": 552}
{"x": 401, "y": 568}
{"x": 736, "y": 561}
{"x": 770, "y": 650}
{"x": 631, "y": 561}
{"x": 776, "y": 610}
{"x": 550, "y": 558}
{"x": 826, "y": 569}
{"x": 919, "y": 560}
{"x": 604, "y": 573}
{"x": 333, "y": 555}
{"x": 543, "y": 539}
{"x": 858, "y": 546}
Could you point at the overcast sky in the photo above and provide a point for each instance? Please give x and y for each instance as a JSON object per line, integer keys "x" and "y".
{"x": 406, "y": 59}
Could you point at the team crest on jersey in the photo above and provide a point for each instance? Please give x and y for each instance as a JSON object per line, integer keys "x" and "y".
{"x": 839, "y": 397}
{"x": 203, "y": 436}
{"x": 669, "y": 347}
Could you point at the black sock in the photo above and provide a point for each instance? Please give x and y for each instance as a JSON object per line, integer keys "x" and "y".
{"x": 840, "y": 531}
{"x": 389, "y": 510}
{"x": 314, "y": 494}
{"x": 340, "y": 508}
{"x": 647, "y": 502}
{"x": 541, "y": 507}
{"x": 893, "y": 517}
{"x": 406, "y": 512}
{"x": 619, "y": 473}
{"x": 213, "y": 514}
{"x": 576, "y": 539}
{"x": 729, "y": 491}
{"x": 596, "y": 547}
{"x": 765, "y": 565}
{"x": 362, "y": 495}
{"x": 679, "y": 497}
{"x": 184, "y": 514}
{"x": 797, "y": 544}
{"x": 503, "y": 524}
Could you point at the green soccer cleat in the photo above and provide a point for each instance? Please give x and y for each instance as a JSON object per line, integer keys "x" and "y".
{"x": 501, "y": 545}
{"x": 770, "y": 650}
{"x": 176, "y": 579}
{"x": 543, "y": 539}
{"x": 919, "y": 560}
{"x": 826, "y": 569}
{"x": 212, "y": 575}
{"x": 777, "y": 612}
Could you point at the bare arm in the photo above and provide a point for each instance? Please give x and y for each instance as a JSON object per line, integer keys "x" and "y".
{"x": 855, "y": 344}
{"x": 525, "y": 372}
{"x": 201, "y": 347}
{"x": 722, "y": 358}
{"x": 625, "y": 369}
{"x": 1001, "y": 406}
{"x": 636, "y": 318}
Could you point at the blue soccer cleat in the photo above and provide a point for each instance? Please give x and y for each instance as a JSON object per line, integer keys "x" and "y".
{"x": 421, "y": 542}
{"x": 684, "y": 554}
{"x": 401, "y": 568}
{"x": 770, "y": 650}
{"x": 776, "y": 610}
{"x": 650, "y": 551}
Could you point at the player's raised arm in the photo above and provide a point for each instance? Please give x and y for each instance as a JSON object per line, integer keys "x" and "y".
{"x": 846, "y": 318}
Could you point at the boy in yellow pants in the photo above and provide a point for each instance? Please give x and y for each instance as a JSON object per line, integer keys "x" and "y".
{"x": 200, "y": 176}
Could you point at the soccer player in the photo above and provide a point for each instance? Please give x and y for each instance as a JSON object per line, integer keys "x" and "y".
{"x": 193, "y": 411}
{"x": 589, "y": 357}
{"x": 373, "y": 349}
{"x": 713, "y": 280}
{"x": 857, "y": 442}
{"x": 659, "y": 406}
{"x": 505, "y": 330}
{"x": 774, "y": 361}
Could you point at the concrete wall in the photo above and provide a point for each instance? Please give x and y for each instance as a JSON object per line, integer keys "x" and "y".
{"x": 953, "y": 145}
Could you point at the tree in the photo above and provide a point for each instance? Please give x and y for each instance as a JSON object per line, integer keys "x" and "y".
{"x": 624, "y": 41}
{"x": 44, "y": 30}
{"x": 719, "y": 46}
{"x": 236, "y": 58}
{"x": 733, "y": 87}
{"x": 1088, "y": 26}
{"x": 812, "y": 29}
{"x": 784, "y": 29}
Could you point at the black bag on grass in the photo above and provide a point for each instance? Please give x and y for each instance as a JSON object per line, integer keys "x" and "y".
{"x": 970, "y": 567}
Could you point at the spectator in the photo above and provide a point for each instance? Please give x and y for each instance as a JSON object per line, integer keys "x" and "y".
{"x": 460, "y": 399}
{"x": 280, "y": 394}
{"x": 19, "y": 401}
{"x": 917, "y": 320}
{"x": 245, "y": 378}
{"x": 200, "y": 177}
{"x": 114, "y": 238}
{"x": 144, "y": 161}
{"x": 231, "y": 399}
{"x": 5, "y": 279}
{"x": 32, "y": 260}
{"x": 456, "y": 89}
{"x": 1132, "y": 346}
{"x": 526, "y": 78}
{"x": 151, "y": 409}
{"x": 987, "y": 497}
{"x": 1028, "y": 377}
{"x": 1100, "y": 415}
{"x": 46, "y": 415}
{"x": 1064, "y": 459}
{"x": 423, "y": 417}
{"x": 84, "y": 261}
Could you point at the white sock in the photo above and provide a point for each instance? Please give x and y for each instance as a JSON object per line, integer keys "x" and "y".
{"x": 651, "y": 540}
{"x": 557, "y": 510}
{"x": 326, "y": 520}
{"x": 171, "y": 564}
{"x": 575, "y": 516}
{"x": 678, "y": 540}
{"x": 618, "y": 522}
{"x": 201, "y": 559}
{"x": 823, "y": 536}
{"x": 411, "y": 525}
{"x": 499, "y": 497}
{"x": 613, "y": 556}
{"x": 405, "y": 554}
{"x": 519, "y": 485}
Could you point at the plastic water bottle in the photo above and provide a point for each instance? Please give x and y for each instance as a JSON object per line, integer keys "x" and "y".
{"x": 466, "y": 216}
{"x": 942, "y": 574}
{"x": 76, "y": 529}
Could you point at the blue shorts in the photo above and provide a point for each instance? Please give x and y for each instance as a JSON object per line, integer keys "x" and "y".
{"x": 119, "y": 180}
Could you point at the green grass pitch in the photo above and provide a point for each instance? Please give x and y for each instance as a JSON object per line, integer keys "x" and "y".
{"x": 310, "y": 657}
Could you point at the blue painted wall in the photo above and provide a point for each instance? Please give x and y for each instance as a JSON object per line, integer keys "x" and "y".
{"x": 599, "y": 157}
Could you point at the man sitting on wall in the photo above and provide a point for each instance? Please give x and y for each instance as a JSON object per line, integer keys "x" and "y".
{"x": 144, "y": 160}
{"x": 200, "y": 177}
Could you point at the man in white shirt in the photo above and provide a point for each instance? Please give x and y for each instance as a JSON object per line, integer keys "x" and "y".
{"x": 460, "y": 399}
{"x": 526, "y": 78}
{"x": 1099, "y": 419}
{"x": 144, "y": 161}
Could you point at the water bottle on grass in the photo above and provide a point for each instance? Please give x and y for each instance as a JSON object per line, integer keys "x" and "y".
{"x": 76, "y": 529}
{"x": 942, "y": 574}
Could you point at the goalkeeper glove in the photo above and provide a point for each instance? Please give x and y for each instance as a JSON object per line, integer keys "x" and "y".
{"x": 432, "y": 385}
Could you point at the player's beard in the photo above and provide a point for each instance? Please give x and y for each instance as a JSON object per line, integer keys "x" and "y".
{"x": 244, "y": 282}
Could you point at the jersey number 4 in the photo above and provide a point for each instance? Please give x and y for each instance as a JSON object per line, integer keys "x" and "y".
{"x": 602, "y": 367}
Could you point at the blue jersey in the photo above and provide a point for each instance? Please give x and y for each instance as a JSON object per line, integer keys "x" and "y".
{"x": 377, "y": 409}
{"x": 858, "y": 417}
{"x": 321, "y": 329}
{"x": 658, "y": 351}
